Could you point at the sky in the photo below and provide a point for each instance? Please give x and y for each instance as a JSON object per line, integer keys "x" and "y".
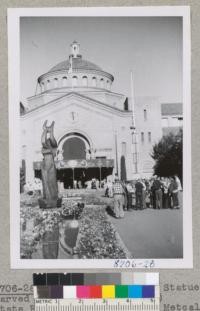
{"x": 149, "y": 46}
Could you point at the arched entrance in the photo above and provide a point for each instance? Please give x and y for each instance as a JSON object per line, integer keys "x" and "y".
{"x": 74, "y": 148}
{"x": 78, "y": 163}
{"x": 69, "y": 138}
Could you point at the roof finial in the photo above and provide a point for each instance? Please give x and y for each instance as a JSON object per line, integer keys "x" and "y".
{"x": 75, "y": 47}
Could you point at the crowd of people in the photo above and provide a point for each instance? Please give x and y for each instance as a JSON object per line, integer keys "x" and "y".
{"x": 34, "y": 187}
{"x": 93, "y": 183}
{"x": 156, "y": 192}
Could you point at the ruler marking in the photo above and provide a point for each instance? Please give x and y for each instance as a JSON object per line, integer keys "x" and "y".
{"x": 97, "y": 305}
{"x": 157, "y": 307}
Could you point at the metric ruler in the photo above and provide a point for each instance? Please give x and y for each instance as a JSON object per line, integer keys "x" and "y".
{"x": 97, "y": 304}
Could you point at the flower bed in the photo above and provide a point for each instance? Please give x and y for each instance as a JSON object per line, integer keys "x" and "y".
{"x": 97, "y": 237}
{"x": 43, "y": 222}
{"x": 72, "y": 209}
{"x": 28, "y": 200}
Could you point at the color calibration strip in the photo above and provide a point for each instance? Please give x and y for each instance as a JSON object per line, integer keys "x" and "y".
{"x": 126, "y": 291}
{"x": 123, "y": 278}
{"x": 96, "y": 292}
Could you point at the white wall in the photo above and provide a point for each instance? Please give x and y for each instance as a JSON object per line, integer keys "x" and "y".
{"x": 100, "y": 124}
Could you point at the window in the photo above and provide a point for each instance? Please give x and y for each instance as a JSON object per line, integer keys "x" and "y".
{"x": 55, "y": 82}
{"x": 126, "y": 104}
{"x": 134, "y": 157}
{"x": 108, "y": 84}
{"x": 42, "y": 87}
{"x": 145, "y": 114}
{"x": 180, "y": 120}
{"x": 74, "y": 81}
{"x": 64, "y": 81}
{"x": 149, "y": 137}
{"x": 85, "y": 81}
{"x": 165, "y": 122}
{"x": 123, "y": 148}
{"x": 102, "y": 83}
{"x": 142, "y": 137}
{"x": 48, "y": 84}
{"x": 94, "y": 81}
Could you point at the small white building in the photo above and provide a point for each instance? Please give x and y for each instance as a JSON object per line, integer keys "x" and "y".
{"x": 172, "y": 117}
{"x": 93, "y": 125}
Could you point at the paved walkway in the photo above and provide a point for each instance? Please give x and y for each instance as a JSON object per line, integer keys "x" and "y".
{"x": 151, "y": 233}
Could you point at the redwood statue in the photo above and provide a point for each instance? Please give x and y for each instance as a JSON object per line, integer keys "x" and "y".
{"x": 48, "y": 169}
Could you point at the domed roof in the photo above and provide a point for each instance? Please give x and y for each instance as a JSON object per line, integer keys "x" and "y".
{"x": 77, "y": 63}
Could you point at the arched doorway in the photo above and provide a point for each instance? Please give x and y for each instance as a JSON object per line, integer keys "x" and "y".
{"x": 74, "y": 148}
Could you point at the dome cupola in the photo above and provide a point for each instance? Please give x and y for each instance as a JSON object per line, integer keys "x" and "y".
{"x": 75, "y": 73}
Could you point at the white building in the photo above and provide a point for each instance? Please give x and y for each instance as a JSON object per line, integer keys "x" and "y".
{"x": 92, "y": 124}
{"x": 172, "y": 117}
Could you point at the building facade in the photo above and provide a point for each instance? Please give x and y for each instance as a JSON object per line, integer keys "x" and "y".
{"x": 172, "y": 117}
{"x": 93, "y": 125}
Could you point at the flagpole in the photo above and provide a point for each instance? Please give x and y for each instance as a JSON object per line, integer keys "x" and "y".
{"x": 116, "y": 154}
{"x": 133, "y": 127}
{"x": 70, "y": 68}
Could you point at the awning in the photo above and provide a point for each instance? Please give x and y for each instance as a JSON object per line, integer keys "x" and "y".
{"x": 107, "y": 163}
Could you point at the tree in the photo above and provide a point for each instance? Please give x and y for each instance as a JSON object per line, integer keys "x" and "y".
{"x": 123, "y": 168}
{"x": 168, "y": 155}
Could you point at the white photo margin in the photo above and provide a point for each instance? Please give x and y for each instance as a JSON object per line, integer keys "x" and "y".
{"x": 14, "y": 135}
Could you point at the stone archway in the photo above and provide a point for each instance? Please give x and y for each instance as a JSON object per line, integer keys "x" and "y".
{"x": 74, "y": 146}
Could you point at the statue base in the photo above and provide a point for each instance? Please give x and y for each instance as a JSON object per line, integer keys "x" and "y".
{"x": 54, "y": 203}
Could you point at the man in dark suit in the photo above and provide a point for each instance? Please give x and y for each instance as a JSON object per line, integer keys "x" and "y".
{"x": 157, "y": 189}
{"x": 139, "y": 187}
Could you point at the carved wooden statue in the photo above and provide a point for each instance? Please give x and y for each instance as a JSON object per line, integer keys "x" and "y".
{"x": 48, "y": 169}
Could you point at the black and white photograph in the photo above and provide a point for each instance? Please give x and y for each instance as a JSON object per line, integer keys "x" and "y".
{"x": 100, "y": 164}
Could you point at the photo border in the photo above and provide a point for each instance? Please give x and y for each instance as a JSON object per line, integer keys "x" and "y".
{"x": 14, "y": 136}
